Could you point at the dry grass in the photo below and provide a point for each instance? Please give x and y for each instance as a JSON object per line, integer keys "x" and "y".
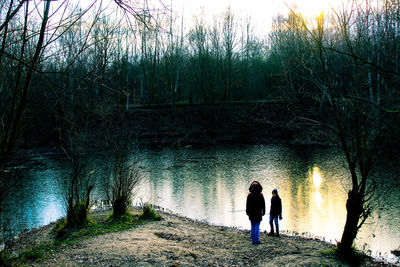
{"x": 178, "y": 241}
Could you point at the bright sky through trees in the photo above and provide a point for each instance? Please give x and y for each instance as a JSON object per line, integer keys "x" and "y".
{"x": 261, "y": 12}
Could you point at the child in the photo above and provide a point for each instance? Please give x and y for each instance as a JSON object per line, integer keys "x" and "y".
{"x": 255, "y": 209}
{"x": 275, "y": 212}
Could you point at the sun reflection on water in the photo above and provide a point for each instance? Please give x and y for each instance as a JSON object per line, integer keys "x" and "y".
{"x": 317, "y": 178}
{"x": 318, "y": 199}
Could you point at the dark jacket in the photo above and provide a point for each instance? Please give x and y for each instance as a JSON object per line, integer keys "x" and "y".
{"x": 276, "y": 206}
{"x": 255, "y": 204}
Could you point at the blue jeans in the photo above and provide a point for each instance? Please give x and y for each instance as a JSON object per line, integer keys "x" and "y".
{"x": 255, "y": 232}
{"x": 274, "y": 219}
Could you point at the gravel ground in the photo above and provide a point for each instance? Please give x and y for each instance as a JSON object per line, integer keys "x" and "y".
{"x": 178, "y": 241}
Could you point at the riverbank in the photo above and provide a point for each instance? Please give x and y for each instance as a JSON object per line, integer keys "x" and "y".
{"x": 259, "y": 122}
{"x": 173, "y": 241}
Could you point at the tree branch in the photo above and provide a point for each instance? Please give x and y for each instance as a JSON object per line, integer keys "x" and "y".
{"x": 373, "y": 103}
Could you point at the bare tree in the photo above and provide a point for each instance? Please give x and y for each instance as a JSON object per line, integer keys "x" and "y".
{"x": 78, "y": 183}
{"x": 199, "y": 43}
{"x": 345, "y": 62}
{"x": 229, "y": 44}
{"x": 125, "y": 175}
{"x": 20, "y": 95}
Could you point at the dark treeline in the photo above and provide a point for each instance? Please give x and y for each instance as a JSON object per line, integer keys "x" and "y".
{"x": 70, "y": 73}
{"x": 96, "y": 60}
{"x": 88, "y": 64}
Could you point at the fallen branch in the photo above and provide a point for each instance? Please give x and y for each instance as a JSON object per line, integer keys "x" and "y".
{"x": 186, "y": 135}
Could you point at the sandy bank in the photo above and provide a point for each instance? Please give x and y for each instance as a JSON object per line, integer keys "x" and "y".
{"x": 178, "y": 241}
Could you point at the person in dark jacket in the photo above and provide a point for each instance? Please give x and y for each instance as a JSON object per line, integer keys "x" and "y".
{"x": 275, "y": 212}
{"x": 255, "y": 209}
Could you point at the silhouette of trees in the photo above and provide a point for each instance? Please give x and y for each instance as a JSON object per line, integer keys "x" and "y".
{"x": 347, "y": 62}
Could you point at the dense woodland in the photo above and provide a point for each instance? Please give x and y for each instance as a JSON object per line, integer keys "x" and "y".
{"x": 105, "y": 60}
{"x": 95, "y": 64}
{"x": 70, "y": 75}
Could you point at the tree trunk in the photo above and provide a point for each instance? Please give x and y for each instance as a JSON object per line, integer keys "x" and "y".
{"x": 354, "y": 207}
{"x": 16, "y": 120}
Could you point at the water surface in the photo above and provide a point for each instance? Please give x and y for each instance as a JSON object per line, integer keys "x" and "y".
{"x": 211, "y": 184}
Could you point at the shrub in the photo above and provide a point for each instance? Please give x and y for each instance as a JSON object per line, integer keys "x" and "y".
{"x": 149, "y": 214}
{"x": 4, "y": 258}
{"x": 354, "y": 258}
{"x": 331, "y": 252}
{"x": 124, "y": 177}
{"x": 60, "y": 226}
{"x": 77, "y": 214}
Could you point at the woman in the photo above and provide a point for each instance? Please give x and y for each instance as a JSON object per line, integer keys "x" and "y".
{"x": 255, "y": 209}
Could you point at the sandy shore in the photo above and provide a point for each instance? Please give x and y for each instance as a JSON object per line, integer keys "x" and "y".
{"x": 178, "y": 241}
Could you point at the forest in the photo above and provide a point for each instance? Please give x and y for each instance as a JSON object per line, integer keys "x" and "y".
{"x": 76, "y": 79}
{"x": 95, "y": 63}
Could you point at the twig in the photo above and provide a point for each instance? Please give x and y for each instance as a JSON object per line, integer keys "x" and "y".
{"x": 186, "y": 135}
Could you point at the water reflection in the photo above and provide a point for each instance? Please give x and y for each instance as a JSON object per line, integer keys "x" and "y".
{"x": 317, "y": 177}
{"x": 318, "y": 199}
{"x": 212, "y": 184}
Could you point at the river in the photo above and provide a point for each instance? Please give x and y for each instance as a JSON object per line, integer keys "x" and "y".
{"x": 211, "y": 184}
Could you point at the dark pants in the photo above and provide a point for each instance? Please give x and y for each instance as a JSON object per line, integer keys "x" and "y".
{"x": 273, "y": 219}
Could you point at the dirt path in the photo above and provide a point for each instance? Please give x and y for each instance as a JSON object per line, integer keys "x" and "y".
{"x": 177, "y": 241}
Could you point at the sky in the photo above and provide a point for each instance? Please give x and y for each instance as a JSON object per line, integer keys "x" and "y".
{"x": 260, "y": 11}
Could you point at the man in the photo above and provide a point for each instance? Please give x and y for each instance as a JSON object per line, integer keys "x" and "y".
{"x": 275, "y": 212}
